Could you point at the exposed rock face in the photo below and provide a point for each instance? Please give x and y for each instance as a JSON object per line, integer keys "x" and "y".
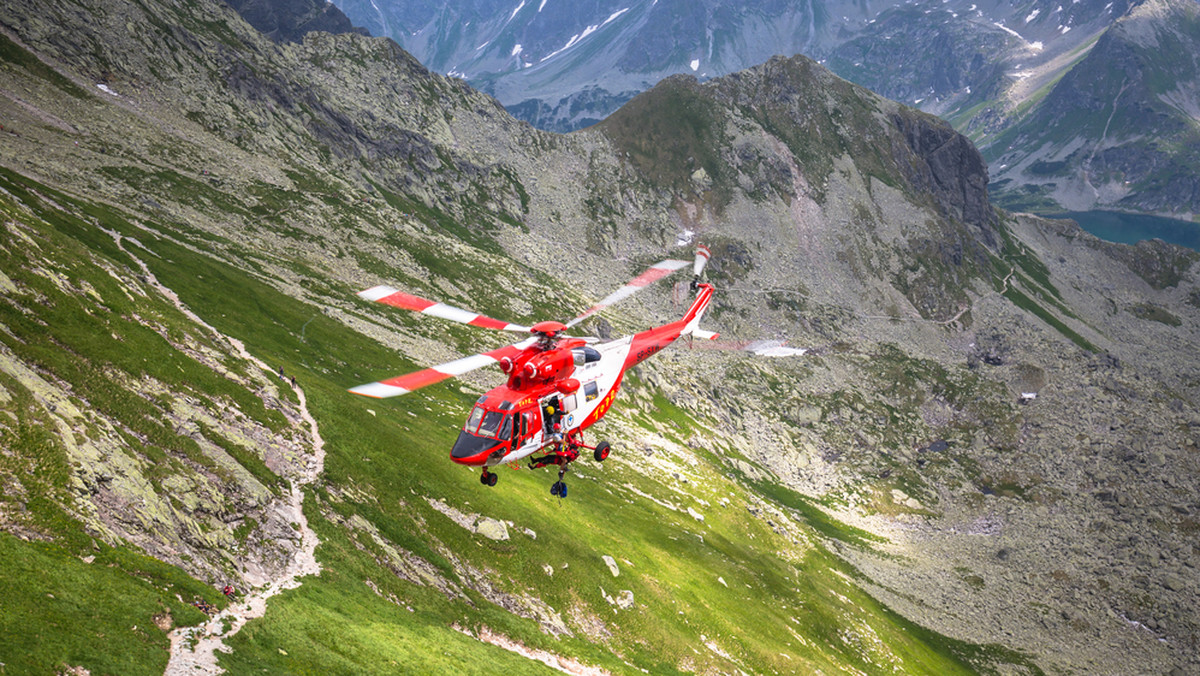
{"x": 291, "y": 20}
{"x": 952, "y": 171}
{"x": 790, "y": 130}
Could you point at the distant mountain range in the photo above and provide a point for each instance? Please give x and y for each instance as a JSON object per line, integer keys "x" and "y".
{"x": 985, "y": 66}
{"x": 546, "y": 55}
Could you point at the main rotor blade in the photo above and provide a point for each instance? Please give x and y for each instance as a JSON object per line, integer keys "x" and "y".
{"x": 394, "y": 387}
{"x": 653, "y": 274}
{"x": 389, "y": 296}
{"x": 762, "y": 348}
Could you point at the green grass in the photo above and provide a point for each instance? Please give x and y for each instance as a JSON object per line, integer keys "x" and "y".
{"x": 13, "y": 54}
{"x": 1028, "y": 304}
{"x": 381, "y": 468}
{"x": 61, "y": 611}
{"x": 1154, "y": 313}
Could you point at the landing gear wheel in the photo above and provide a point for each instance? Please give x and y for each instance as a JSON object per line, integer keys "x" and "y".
{"x": 492, "y": 479}
{"x": 601, "y": 451}
{"x": 488, "y": 479}
{"x": 559, "y": 488}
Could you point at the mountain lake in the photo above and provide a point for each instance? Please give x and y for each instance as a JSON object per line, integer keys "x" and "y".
{"x": 1125, "y": 228}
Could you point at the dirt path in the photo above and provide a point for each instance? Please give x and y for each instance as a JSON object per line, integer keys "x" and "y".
{"x": 194, "y": 649}
{"x": 945, "y": 322}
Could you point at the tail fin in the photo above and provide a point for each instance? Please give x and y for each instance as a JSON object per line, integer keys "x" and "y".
{"x": 696, "y": 312}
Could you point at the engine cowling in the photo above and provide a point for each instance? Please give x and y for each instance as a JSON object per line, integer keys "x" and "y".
{"x": 541, "y": 368}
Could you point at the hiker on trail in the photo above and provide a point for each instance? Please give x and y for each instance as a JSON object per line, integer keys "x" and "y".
{"x": 293, "y": 381}
{"x": 228, "y": 591}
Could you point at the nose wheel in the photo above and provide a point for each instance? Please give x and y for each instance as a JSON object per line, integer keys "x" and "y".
{"x": 488, "y": 479}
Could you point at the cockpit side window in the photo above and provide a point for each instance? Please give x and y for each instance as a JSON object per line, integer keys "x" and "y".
{"x": 506, "y": 428}
{"x": 474, "y": 420}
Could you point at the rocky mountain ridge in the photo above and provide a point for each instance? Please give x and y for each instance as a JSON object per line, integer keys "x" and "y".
{"x": 265, "y": 183}
{"x": 1120, "y": 129}
{"x": 994, "y": 70}
{"x": 291, "y": 20}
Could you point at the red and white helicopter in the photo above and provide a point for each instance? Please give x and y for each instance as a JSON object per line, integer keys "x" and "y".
{"x": 558, "y": 385}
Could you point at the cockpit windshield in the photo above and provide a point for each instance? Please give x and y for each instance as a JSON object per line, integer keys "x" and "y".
{"x": 473, "y": 421}
{"x": 485, "y": 423}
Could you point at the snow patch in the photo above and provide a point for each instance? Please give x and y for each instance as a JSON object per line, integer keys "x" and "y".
{"x": 1032, "y": 15}
{"x": 544, "y": 4}
{"x": 514, "y": 12}
{"x": 575, "y": 39}
{"x": 774, "y": 348}
{"x": 106, "y": 89}
{"x": 614, "y": 15}
{"x": 695, "y": 64}
{"x": 516, "y": 50}
{"x": 1036, "y": 46}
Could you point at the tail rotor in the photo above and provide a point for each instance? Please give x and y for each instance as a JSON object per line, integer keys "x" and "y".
{"x": 702, "y": 256}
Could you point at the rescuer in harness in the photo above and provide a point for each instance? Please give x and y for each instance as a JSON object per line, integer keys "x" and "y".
{"x": 552, "y": 417}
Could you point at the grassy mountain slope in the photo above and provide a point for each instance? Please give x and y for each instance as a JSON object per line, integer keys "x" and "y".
{"x": 761, "y": 516}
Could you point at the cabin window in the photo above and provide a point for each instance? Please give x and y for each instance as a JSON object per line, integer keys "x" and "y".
{"x": 506, "y": 428}
{"x": 591, "y": 391}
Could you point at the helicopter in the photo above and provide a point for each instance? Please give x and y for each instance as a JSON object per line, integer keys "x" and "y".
{"x": 557, "y": 385}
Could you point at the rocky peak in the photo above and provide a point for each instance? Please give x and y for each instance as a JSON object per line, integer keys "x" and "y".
{"x": 918, "y": 151}
{"x": 290, "y": 20}
{"x": 950, "y": 168}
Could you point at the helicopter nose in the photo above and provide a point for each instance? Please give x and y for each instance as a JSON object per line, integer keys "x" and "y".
{"x": 472, "y": 450}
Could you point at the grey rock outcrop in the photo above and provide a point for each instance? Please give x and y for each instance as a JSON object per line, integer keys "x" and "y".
{"x": 291, "y": 20}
